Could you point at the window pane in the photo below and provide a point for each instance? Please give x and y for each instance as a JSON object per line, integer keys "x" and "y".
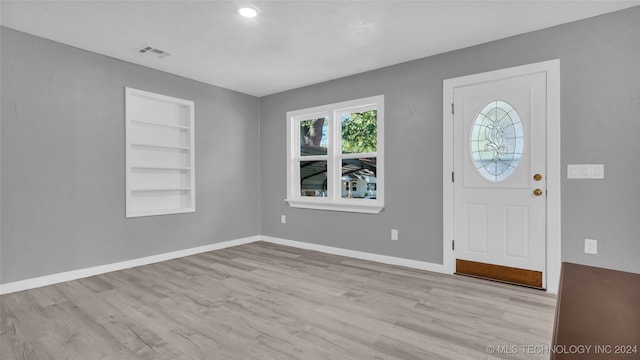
{"x": 359, "y": 132}
{"x": 313, "y": 137}
{"x": 359, "y": 178}
{"x": 313, "y": 178}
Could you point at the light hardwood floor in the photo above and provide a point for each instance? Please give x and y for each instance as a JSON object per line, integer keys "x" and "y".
{"x": 265, "y": 301}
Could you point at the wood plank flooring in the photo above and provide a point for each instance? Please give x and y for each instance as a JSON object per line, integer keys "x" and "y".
{"x": 265, "y": 301}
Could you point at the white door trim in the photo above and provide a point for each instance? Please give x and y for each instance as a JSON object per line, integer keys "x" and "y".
{"x": 552, "y": 70}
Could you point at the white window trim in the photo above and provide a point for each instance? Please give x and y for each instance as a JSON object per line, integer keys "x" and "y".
{"x": 334, "y": 201}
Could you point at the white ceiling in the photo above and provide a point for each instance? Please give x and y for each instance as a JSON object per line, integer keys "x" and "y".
{"x": 291, "y": 43}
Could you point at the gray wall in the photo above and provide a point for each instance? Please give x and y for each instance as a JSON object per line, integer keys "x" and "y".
{"x": 63, "y": 152}
{"x": 600, "y": 80}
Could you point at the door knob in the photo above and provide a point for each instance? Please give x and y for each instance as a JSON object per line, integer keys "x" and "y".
{"x": 537, "y": 192}
{"x": 537, "y": 177}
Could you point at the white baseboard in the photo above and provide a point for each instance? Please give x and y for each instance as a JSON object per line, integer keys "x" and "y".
{"x": 415, "y": 264}
{"x": 101, "y": 269}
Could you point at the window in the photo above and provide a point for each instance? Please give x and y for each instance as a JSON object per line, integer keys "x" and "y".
{"x": 159, "y": 154}
{"x": 335, "y": 156}
{"x": 497, "y": 141}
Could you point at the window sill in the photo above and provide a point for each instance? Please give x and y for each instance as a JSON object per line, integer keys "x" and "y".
{"x": 351, "y": 205}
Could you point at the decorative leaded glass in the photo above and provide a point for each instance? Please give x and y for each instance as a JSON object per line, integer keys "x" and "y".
{"x": 497, "y": 141}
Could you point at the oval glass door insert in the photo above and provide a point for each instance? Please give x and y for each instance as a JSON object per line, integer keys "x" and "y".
{"x": 497, "y": 141}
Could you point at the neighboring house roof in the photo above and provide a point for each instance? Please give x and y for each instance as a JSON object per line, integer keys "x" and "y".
{"x": 315, "y": 172}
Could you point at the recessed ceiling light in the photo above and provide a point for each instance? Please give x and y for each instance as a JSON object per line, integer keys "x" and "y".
{"x": 249, "y": 11}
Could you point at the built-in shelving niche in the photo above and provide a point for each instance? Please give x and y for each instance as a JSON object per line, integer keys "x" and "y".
{"x": 159, "y": 155}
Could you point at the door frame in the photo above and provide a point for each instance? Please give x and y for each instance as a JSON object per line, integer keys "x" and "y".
{"x": 553, "y": 211}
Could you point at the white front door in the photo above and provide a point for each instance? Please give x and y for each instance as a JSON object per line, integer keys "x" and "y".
{"x": 499, "y": 154}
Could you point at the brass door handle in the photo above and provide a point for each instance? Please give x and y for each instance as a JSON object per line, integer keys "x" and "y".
{"x": 537, "y": 177}
{"x": 537, "y": 192}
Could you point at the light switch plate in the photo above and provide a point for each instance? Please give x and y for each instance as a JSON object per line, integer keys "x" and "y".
{"x": 394, "y": 234}
{"x": 597, "y": 171}
{"x": 572, "y": 172}
{"x": 585, "y": 171}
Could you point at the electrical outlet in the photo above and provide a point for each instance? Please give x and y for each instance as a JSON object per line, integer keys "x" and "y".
{"x": 590, "y": 246}
{"x": 394, "y": 234}
{"x": 283, "y": 219}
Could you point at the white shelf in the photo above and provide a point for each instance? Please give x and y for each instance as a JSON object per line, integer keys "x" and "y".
{"x": 161, "y": 189}
{"x": 161, "y": 212}
{"x": 159, "y": 154}
{"x": 161, "y": 146}
{"x": 160, "y": 168}
{"x": 153, "y": 123}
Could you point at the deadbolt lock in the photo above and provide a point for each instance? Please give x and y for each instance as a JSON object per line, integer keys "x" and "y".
{"x": 537, "y": 177}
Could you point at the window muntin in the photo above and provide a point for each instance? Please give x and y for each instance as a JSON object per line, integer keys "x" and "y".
{"x": 335, "y": 156}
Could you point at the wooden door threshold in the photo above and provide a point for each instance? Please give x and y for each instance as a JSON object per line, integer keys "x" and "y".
{"x": 505, "y": 274}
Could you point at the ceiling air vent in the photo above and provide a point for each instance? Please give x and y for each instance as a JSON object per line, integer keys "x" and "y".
{"x": 152, "y": 50}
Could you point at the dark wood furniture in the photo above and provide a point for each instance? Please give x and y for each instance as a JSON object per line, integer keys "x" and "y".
{"x": 598, "y": 309}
